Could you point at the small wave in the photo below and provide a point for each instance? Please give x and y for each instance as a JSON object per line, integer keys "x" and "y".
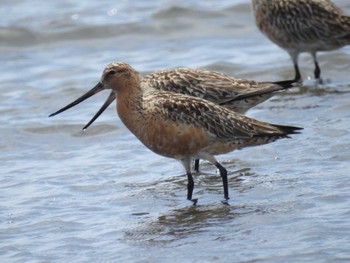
{"x": 13, "y": 36}
{"x": 176, "y": 11}
{"x": 21, "y": 37}
{"x": 74, "y": 129}
{"x": 159, "y": 24}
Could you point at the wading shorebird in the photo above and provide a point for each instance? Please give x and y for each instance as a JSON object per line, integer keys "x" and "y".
{"x": 179, "y": 126}
{"x": 235, "y": 94}
{"x": 303, "y": 26}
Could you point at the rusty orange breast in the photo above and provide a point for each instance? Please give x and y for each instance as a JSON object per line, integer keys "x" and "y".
{"x": 170, "y": 139}
{"x": 162, "y": 136}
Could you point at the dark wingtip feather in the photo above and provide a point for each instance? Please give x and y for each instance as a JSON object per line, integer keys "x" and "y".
{"x": 286, "y": 84}
{"x": 289, "y": 129}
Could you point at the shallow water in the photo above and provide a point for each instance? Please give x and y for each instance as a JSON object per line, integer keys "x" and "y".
{"x": 101, "y": 196}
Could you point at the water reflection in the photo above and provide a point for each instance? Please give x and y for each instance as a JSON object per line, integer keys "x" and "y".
{"x": 182, "y": 222}
{"x": 189, "y": 221}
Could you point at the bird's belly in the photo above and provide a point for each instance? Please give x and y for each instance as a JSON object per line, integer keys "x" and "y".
{"x": 172, "y": 140}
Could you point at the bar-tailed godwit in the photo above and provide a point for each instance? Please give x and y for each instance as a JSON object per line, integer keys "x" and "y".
{"x": 179, "y": 126}
{"x": 235, "y": 94}
{"x": 303, "y": 26}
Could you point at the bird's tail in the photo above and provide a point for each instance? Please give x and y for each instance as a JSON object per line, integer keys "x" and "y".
{"x": 288, "y": 129}
{"x": 286, "y": 84}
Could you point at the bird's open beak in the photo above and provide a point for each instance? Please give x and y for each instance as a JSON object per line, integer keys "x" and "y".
{"x": 99, "y": 87}
{"x": 109, "y": 100}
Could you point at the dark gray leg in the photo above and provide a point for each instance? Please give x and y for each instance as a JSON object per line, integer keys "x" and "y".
{"x": 317, "y": 71}
{"x": 297, "y": 77}
{"x": 190, "y": 186}
{"x": 294, "y": 57}
{"x": 196, "y": 165}
{"x": 223, "y": 173}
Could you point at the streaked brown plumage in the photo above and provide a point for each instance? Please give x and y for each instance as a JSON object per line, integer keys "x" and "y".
{"x": 303, "y": 26}
{"x": 235, "y": 94}
{"x": 179, "y": 126}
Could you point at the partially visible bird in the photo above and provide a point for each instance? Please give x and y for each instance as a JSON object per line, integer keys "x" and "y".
{"x": 303, "y": 26}
{"x": 179, "y": 126}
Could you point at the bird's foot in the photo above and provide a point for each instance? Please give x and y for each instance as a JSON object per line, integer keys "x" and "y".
{"x": 194, "y": 201}
{"x": 225, "y": 201}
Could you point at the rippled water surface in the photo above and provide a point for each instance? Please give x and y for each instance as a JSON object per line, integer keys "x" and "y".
{"x": 101, "y": 196}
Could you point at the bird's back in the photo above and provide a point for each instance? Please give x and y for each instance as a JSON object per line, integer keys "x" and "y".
{"x": 212, "y": 86}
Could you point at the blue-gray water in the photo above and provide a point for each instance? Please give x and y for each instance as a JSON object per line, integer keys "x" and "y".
{"x": 101, "y": 196}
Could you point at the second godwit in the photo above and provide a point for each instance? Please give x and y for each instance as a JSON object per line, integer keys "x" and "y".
{"x": 235, "y": 94}
{"x": 303, "y": 26}
{"x": 179, "y": 126}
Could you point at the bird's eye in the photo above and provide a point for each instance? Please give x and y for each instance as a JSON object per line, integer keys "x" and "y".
{"x": 112, "y": 72}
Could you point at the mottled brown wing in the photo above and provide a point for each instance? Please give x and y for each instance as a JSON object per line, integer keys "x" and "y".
{"x": 218, "y": 121}
{"x": 309, "y": 22}
{"x": 209, "y": 85}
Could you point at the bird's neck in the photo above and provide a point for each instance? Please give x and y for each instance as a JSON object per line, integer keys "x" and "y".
{"x": 130, "y": 108}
